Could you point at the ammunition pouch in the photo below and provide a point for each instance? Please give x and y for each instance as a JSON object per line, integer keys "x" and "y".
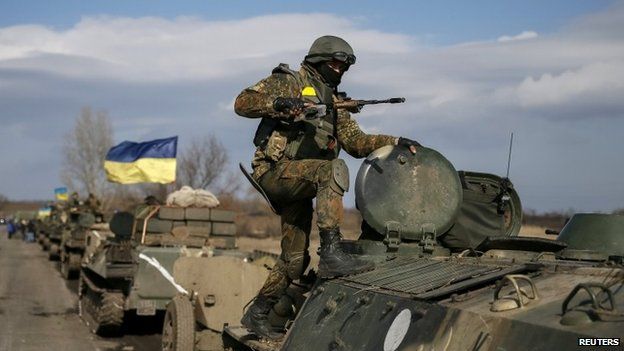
{"x": 263, "y": 132}
{"x": 313, "y": 139}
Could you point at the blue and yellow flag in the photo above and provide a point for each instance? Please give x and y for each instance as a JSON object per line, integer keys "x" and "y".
{"x": 148, "y": 162}
{"x": 60, "y": 194}
{"x": 44, "y": 212}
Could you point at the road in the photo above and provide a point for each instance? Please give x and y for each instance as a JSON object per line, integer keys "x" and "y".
{"x": 38, "y": 307}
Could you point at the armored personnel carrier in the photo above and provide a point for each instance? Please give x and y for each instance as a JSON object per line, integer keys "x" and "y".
{"x": 73, "y": 239}
{"x": 130, "y": 274}
{"x": 217, "y": 290}
{"x": 51, "y": 232}
{"x": 451, "y": 274}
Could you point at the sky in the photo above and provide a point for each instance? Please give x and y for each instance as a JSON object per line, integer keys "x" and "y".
{"x": 471, "y": 72}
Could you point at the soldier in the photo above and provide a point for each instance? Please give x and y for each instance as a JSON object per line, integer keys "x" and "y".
{"x": 297, "y": 160}
{"x": 93, "y": 203}
{"x": 74, "y": 199}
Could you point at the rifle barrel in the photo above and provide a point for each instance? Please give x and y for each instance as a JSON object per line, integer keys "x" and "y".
{"x": 396, "y": 100}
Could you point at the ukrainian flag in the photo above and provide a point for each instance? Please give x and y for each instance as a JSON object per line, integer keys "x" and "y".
{"x": 60, "y": 194}
{"x": 148, "y": 162}
{"x": 44, "y": 212}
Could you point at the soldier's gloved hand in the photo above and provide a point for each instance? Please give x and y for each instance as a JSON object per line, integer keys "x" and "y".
{"x": 408, "y": 143}
{"x": 292, "y": 106}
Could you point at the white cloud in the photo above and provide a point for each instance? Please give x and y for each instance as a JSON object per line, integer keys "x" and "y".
{"x": 593, "y": 80}
{"x": 527, "y": 34}
{"x": 156, "y": 49}
{"x": 160, "y": 77}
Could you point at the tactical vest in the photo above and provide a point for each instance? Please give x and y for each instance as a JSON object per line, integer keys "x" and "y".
{"x": 306, "y": 139}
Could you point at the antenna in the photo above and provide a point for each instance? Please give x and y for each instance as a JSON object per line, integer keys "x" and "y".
{"x": 509, "y": 157}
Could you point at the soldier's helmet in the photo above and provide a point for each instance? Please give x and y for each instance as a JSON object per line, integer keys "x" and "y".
{"x": 329, "y": 47}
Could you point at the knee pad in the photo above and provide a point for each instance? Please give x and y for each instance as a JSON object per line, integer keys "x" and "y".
{"x": 296, "y": 264}
{"x": 340, "y": 176}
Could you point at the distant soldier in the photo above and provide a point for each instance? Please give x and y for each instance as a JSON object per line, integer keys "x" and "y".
{"x": 74, "y": 200}
{"x": 11, "y": 228}
{"x": 296, "y": 160}
{"x": 93, "y": 204}
{"x": 31, "y": 229}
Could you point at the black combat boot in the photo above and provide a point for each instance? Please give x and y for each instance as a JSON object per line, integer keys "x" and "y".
{"x": 256, "y": 318}
{"x": 333, "y": 261}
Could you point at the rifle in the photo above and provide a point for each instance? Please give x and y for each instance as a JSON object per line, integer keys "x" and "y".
{"x": 351, "y": 105}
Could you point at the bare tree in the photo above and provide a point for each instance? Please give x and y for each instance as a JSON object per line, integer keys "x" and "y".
{"x": 202, "y": 163}
{"x": 84, "y": 151}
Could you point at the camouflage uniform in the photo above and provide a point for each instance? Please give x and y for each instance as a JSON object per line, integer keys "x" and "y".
{"x": 93, "y": 203}
{"x": 291, "y": 180}
{"x": 74, "y": 199}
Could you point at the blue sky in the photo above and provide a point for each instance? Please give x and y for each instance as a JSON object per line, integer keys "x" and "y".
{"x": 472, "y": 72}
{"x": 438, "y": 22}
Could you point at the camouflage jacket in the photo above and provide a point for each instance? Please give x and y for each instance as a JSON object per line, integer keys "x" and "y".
{"x": 257, "y": 102}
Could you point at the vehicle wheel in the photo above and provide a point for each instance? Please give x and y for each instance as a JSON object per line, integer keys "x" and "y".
{"x": 54, "y": 252}
{"x": 70, "y": 265}
{"x": 73, "y": 262}
{"x": 65, "y": 268}
{"x": 46, "y": 244}
{"x": 179, "y": 325}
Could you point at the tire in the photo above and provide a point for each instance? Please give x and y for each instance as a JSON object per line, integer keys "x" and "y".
{"x": 54, "y": 253}
{"x": 70, "y": 265}
{"x": 179, "y": 325}
{"x": 46, "y": 244}
{"x": 65, "y": 273}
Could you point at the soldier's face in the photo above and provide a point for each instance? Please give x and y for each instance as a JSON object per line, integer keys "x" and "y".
{"x": 338, "y": 66}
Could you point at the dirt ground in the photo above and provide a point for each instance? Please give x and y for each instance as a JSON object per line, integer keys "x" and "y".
{"x": 38, "y": 308}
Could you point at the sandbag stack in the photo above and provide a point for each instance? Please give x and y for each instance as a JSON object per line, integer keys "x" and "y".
{"x": 191, "y": 226}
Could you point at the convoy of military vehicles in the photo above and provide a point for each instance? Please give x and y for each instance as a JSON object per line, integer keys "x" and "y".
{"x": 451, "y": 272}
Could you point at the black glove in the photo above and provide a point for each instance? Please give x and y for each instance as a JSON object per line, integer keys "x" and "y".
{"x": 282, "y": 104}
{"x": 407, "y": 142}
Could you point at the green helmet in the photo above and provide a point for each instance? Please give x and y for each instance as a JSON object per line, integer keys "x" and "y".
{"x": 330, "y": 47}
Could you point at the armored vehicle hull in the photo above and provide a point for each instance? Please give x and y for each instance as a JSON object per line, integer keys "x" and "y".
{"x": 218, "y": 288}
{"x": 132, "y": 274}
{"x": 73, "y": 244}
{"x": 456, "y": 304}
{"x": 470, "y": 285}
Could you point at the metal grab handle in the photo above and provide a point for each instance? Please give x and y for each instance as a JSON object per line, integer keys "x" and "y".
{"x": 513, "y": 278}
{"x": 150, "y": 215}
{"x": 588, "y": 287}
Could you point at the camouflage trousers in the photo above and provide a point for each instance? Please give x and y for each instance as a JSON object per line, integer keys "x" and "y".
{"x": 292, "y": 185}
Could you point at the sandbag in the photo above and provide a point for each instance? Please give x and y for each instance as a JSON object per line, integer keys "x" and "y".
{"x": 189, "y": 197}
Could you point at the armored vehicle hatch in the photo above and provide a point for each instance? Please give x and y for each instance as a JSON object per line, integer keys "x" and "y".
{"x": 410, "y": 195}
